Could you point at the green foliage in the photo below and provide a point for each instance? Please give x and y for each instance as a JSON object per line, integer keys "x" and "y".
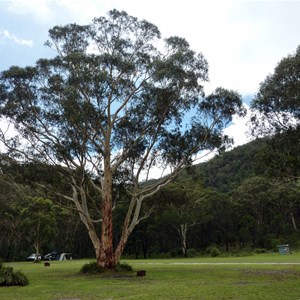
{"x": 260, "y": 250}
{"x": 276, "y": 113}
{"x": 258, "y": 213}
{"x": 38, "y": 218}
{"x": 192, "y": 252}
{"x": 12, "y": 198}
{"x": 228, "y": 170}
{"x": 92, "y": 268}
{"x": 279, "y": 156}
{"x": 213, "y": 251}
{"x": 123, "y": 267}
{"x": 278, "y": 98}
{"x": 10, "y": 278}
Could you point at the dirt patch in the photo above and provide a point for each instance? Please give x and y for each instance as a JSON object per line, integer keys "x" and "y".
{"x": 273, "y": 272}
{"x": 273, "y": 275}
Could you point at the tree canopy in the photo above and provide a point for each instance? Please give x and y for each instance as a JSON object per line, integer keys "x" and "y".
{"x": 277, "y": 102}
{"x": 276, "y": 113}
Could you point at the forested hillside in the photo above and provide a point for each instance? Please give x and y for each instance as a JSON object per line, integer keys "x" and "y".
{"x": 237, "y": 205}
{"x": 227, "y": 171}
{"x": 218, "y": 206}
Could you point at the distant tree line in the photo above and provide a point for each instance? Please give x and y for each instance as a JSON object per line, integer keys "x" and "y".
{"x": 232, "y": 208}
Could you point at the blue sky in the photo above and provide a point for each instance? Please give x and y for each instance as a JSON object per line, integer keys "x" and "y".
{"x": 242, "y": 40}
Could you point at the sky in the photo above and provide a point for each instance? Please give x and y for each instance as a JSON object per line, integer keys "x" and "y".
{"x": 243, "y": 41}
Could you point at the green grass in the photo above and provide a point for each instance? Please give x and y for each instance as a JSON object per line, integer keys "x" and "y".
{"x": 194, "y": 278}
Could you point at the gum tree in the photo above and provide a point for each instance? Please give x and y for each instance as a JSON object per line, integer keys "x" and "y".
{"x": 183, "y": 207}
{"x": 38, "y": 221}
{"x": 277, "y": 101}
{"x": 107, "y": 110}
{"x": 276, "y": 112}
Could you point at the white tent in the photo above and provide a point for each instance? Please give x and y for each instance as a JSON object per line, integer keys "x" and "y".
{"x": 65, "y": 256}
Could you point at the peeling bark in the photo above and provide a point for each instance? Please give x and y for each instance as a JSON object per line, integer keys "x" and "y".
{"x": 105, "y": 255}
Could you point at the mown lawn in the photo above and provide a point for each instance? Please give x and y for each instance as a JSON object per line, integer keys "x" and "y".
{"x": 253, "y": 277}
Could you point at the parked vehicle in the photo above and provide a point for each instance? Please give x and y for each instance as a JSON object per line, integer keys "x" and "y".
{"x": 34, "y": 257}
{"x": 51, "y": 256}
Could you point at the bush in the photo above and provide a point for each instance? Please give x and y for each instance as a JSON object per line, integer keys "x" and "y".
{"x": 260, "y": 250}
{"x": 244, "y": 253}
{"x": 177, "y": 252}
{"x": 123, "y": 267}
{"x": 192, "y": 252}
{"x": 213, "y": 251}
{"x": 10, "y": 278}
{"x": 92, "y": 268}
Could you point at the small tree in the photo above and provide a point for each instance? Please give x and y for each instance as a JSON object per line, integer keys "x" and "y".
{"x": 38, "y": 221}
{"x": 12, "y": 197}
{"x": 109, "y": 108}
{"x": 183, "y": 208}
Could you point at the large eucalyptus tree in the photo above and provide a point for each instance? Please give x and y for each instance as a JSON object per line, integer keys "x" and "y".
{"x": 108, "y": 109}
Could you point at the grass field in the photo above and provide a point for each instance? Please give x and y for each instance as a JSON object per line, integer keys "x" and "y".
{"x": 255, "y": 277}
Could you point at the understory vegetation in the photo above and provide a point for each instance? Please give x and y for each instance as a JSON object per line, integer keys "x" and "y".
{"x": 8, "y": 277}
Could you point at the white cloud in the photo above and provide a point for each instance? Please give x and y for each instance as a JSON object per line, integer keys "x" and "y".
{"x": 53, "y": 12}
{"x": 242, "y": 40}
{"x": 239, "y": 129}
{"x": 37, "y": 9}
{"x": 6, "y": 131}
{"x": 6, "y": 35}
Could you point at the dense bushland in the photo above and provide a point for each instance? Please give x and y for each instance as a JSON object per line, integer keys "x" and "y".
{"x": 233, "y": 208}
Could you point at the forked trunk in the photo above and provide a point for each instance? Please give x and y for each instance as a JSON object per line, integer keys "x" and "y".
{"x": 130, "y": 222}
{"x": 121, "y": 246}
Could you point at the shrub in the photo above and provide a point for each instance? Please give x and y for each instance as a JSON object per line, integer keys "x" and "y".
{"x": 260, "y": 250}
{"x": 244, "y": 253}
{"x": 9, "y": 278}
{"x": 213, "y": 251}
{"x": 92, "y": 268}
{"x": 123, "y": 267}
{"x": 176, "y": 252}
{"x": 192, "y": 252}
